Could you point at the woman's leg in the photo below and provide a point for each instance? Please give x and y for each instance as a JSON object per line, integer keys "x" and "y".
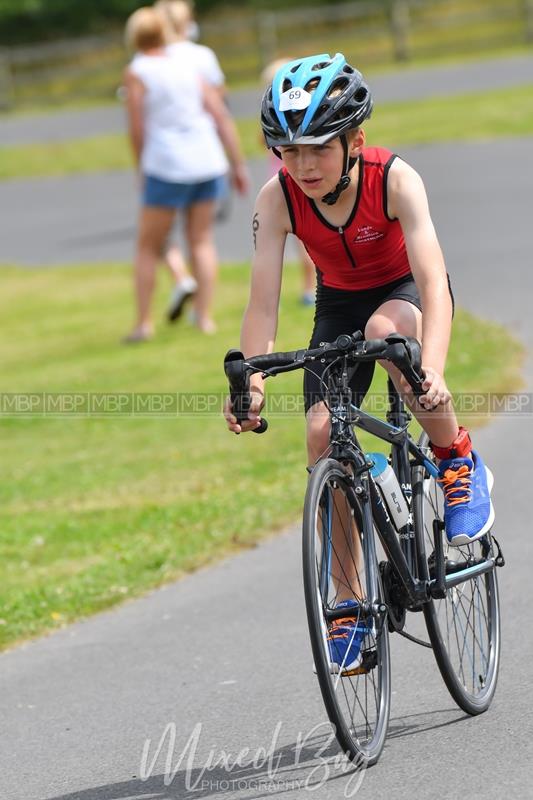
{"x": 204, "y": 262}
{"x": 176, "y": 263}
{"x": 154, "y": 226}
{"x": 184, "y": 285}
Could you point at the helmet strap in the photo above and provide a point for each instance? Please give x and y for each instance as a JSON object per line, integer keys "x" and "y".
{"x": 348, "y": 163}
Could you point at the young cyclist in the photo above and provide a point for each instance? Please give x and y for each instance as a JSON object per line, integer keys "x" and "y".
{"x": 362, "y": 214}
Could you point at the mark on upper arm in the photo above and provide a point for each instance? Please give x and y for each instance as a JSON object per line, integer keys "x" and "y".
{"x": 255, "y": 228}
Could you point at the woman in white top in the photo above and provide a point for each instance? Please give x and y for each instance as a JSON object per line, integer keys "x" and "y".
{"x": 179, "y": 129}
{"x": 178, "y": 19}
{"x": 178, "y": 23}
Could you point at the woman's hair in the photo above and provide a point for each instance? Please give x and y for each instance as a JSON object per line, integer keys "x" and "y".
{"x": 267, "y": 75}
{"x": 144, "y": 30}
{"x": 176, "y": 15}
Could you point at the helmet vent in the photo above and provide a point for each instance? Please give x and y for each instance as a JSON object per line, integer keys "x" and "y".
{"x": 342, "y": 114}
{"x": 311, "y": 85}
{"x": 337, "y": 88}
{"x": 361, "y": 94}
{"x": 294, "y": 118}
{"x": 320, "y": 65}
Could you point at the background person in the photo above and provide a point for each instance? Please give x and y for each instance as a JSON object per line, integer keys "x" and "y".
{"x": 180, "y": 27}
{"x": 178, "y": 19}
{"x": 172, "y": 116}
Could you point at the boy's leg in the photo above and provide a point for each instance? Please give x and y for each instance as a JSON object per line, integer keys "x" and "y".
{"x": 400, "y": 316}
{"x": 346, "y": 634}
{"x": 346, "y": 561}
{"x": 468, "y": 510}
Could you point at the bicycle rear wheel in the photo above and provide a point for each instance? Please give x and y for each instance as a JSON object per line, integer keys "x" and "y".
{"x": 464, "y": 627}
{"x": 339, "y": 563}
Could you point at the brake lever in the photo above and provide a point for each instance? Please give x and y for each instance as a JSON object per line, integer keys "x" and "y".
{"x": 239, "y": 388}
{"x": 240, "y": 402}
{"x": 406, "y": 355}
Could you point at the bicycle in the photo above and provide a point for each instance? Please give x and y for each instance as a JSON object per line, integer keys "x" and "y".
{"x": 456, "y": 588}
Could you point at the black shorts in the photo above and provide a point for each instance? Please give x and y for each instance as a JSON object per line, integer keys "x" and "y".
{"x": 341, "y": 311}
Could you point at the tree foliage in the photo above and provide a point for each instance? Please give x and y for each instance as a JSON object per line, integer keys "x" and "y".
{"x": 34, "y": 20}
{"x": 37, "y": 20}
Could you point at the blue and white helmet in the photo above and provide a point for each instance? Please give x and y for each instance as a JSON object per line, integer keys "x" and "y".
{"x": 314, "y": 99}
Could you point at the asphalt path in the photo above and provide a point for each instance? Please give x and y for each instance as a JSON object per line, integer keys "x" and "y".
{"x": 221, "y": 659}
{"x": 403, "y": 84}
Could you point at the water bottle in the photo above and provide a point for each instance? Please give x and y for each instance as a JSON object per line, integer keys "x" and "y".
{"x": 390, "y": 489}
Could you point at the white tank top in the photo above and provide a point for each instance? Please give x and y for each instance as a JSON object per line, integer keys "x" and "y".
{"x": 200, "y": 57}
{"x": 181, "y": 144}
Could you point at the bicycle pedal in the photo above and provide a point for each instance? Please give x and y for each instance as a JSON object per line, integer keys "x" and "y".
{"x": 368, "y": 663}
{"x": 361, "y": 670}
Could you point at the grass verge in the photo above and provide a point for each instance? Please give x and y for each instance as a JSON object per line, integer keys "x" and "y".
{"x": 97, "y": 509}
{"x": 467, "y": 117}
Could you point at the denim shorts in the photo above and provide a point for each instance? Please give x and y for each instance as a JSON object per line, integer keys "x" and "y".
{"x": 181, "y": 195}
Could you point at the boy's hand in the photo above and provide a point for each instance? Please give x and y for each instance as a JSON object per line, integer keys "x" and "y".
{"x": 257, "y": 401}
{"x": 436, "y": 391}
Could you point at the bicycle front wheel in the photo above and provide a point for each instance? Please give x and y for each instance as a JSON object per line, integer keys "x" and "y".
{"x": 463, "y": 627}
{"x": 339, "y": 563}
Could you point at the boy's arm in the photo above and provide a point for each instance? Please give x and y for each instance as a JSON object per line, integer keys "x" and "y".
{"x": 270, "y": 225}
{"x": 407, "y": 200}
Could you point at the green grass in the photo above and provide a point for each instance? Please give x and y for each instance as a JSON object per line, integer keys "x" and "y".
{"x": 96, "y": 510}
{"x": 95, "y": 154}
{"x": 465, "y": 117}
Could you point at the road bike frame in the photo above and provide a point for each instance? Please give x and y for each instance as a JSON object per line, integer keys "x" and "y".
{"x": 401, "y": 549}
{"x": 405, "y": 553}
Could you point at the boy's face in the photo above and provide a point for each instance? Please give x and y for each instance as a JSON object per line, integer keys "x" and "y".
{"x": 317, "y": 169}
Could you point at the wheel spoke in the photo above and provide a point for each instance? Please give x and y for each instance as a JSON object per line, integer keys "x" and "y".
{"x": 463, "y": 626}
{"x": 357, "y": 702}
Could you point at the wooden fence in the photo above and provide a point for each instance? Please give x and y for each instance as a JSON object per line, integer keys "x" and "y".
{"x": 382, "y": 31}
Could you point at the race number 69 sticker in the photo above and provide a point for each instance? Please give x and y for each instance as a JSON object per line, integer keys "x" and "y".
{"x": 294, "y": 100}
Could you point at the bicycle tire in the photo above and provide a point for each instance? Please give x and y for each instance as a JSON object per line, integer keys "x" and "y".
{"x": 358, "y": 705}
{"x": 464, "y": 627}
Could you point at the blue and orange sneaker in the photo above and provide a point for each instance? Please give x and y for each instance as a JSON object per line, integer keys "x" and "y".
{"x": 468, "y": 509}
{"x": 345, "y": 639}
